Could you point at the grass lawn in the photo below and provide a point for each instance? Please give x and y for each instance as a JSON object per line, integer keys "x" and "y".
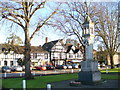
{"x": 38, "y": 82}
{"x": 41, "y": 81}
{"x": 111, "y": 70}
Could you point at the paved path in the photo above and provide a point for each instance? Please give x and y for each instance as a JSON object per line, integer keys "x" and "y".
{"x": 106, "y": 84}
{"x": 37, "y": 73}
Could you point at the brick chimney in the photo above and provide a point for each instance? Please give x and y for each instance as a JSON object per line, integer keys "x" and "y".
{"x": 12, "y": 42}
{"x": 46, "y": 40}
{"x": 78, "y": 45}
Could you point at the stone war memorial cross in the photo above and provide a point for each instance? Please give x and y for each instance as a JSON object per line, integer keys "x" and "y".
{"x": 89, "y": 73}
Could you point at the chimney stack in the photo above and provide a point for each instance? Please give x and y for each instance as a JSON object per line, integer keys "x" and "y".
{"x": 78, "y": 45}
{"x": 12, "y": 42}
{"x": 46, "y": 39}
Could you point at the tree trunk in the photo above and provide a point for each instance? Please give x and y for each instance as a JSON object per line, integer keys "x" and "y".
{"x": 111, "y": 61}
{"x": 66, "y": 61}
{"x": 51, "y": 60}
{"x": 84, "y": 55}
{"x": 27, "y": 55}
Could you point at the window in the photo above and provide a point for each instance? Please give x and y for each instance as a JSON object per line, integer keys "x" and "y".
{"x": 70, "y": 55}
{"x": 34, "y": 55}
{"x": 78, "y": 55}
{"x": 11, "y": 63}
{"x": 46, "y": 56}
{"x": 5, "y": 63}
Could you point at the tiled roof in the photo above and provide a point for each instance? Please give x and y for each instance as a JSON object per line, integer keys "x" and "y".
{"x": 20, "y": 49}
{"x": 48, "y": 46}
{"x": 69, "y": 47}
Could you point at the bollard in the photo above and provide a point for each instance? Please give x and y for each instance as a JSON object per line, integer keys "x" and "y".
{"x": 48, "y": 86}
{"x": 107, "y": 70}
{"x": 24, "y": 84}
{"x": 20, "y": 74}
{"x": 5, "y": 75}
{"x": 34, "y": 73}
{"x": 72, "y": 70}
{"x": 11, "y": 89}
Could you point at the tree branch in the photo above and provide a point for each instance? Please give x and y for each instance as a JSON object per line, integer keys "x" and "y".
{"x": 14, "y": 21}
{"x": 40, "y": 25}
{"x": 15, "y": 17}
{"x": 38, "y": 7}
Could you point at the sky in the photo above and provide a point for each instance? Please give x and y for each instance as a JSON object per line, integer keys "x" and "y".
{"x": 38, "y": 39}
{"x": 67, "y": 0}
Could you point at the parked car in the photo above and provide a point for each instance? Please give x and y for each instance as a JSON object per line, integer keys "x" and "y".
{"x": 75, "y": 66}
{"x": 59, "y": 67}
{"x": 117, "y": 65}
{"x": 13, "y": 68}
{"x": 24, "y": 68}
{"x": 50, "y": 67}
{"x": 41, "y": 67}
{"x": 64, "y": 66}
{"x": 6, "y": 69}
{"x": 69, "y": 66}
{"x": 19, "y": 68}
{"x": 37, "y": 67}
{"x": 101, "y": 65}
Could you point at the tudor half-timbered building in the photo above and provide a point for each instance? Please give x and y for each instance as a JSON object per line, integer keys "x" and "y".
{"x": 10, "y": 54}
{"x": 60, "y": 53}
{"x": 56, "y": 51}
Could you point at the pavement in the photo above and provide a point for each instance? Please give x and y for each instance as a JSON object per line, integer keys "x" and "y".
{"x": 65, "y": 85}
{"x": 38, "y": 73}
{"x": 107, "y": 84}
{"x": 104, "y": 85}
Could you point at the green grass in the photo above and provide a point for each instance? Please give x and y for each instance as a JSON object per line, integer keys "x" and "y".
{"x": 38, "y": 82}
{"x": 41, "y": 81}
{"x": 111, "y": 70}
{"x": 112, "y": 77}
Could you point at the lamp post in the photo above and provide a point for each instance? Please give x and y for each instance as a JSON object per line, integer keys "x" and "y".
{"x": 89, "y": 68}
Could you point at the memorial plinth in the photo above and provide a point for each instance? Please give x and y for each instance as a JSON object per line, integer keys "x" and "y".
{"x": 89, "y": 72}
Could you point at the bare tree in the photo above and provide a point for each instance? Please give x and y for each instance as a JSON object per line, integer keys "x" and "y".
{"x": 22, "y": 14}
{"x": 104, "y": 16}
{"x": 107, "y": 28}
{"x": 72, "y": 16}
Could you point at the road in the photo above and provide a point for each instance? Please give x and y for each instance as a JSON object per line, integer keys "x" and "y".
{"x": 38, "y": 73}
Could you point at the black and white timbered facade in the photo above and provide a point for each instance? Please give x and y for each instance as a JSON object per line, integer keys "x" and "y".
{"x": 59, "y": 53}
